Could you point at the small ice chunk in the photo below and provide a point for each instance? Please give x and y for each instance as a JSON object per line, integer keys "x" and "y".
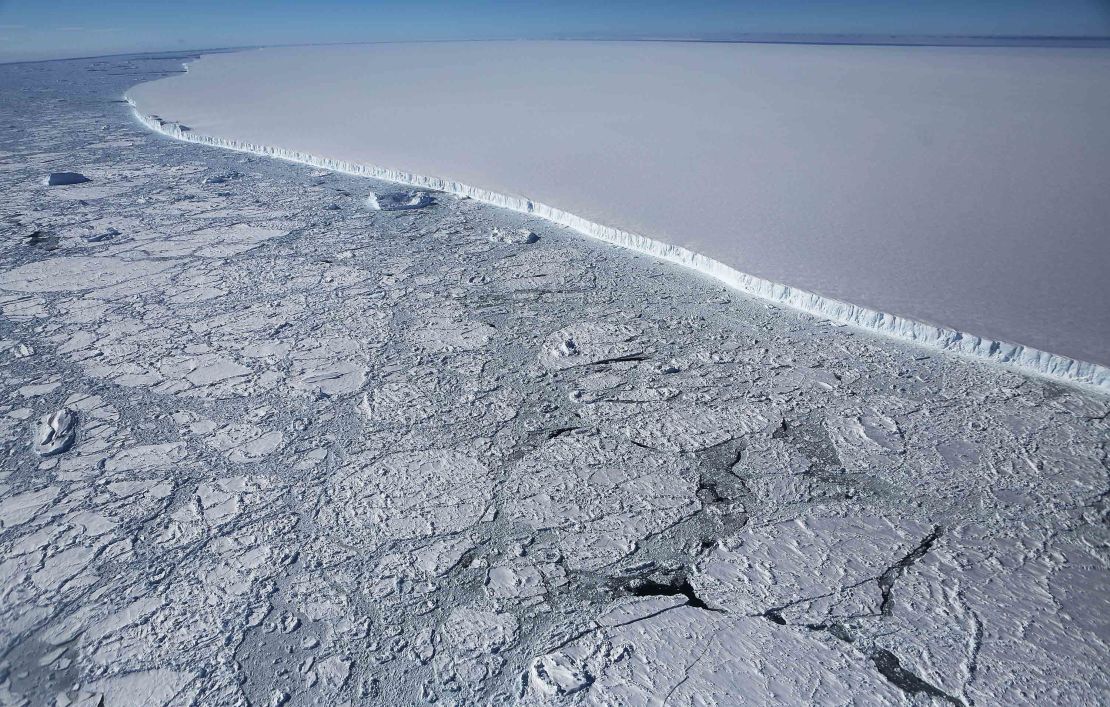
{"x": 41, "y": 239}
{"x": 56, "y": 432}
{"x": 221, "y": 178}
{"x": 521, "y": 235}
{"x": 61, "y": 178}
{"x": 97, "y": 237}
{"x": 585, "y": 343}
{"x": 399, "y": 201}
{"x": 555, "y": 674}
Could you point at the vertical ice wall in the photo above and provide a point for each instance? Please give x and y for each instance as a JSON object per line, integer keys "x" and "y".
{"x": 999, "y": 352}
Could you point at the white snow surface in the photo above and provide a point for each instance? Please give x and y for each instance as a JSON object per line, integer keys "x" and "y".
{"x": 953, "y": 196}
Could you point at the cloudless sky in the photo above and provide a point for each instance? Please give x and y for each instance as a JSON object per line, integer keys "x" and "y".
{"x": 31, "y": 29}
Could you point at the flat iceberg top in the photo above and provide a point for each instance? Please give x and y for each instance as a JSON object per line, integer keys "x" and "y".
{"x": 963, "y": 187}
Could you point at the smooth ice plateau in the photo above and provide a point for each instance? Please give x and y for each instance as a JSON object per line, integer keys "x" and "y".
{"x": 948, "y": 196}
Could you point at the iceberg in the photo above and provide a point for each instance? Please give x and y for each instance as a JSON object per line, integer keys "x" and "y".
{"x": 55, "y": 179}
{"x": 987, "y": 272}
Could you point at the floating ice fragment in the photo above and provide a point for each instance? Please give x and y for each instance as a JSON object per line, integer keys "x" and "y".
{"x": 521, "y": 235}
{"x": 55, "y": 432}
{"x": 555, "y": 674}
{"x": 149, "y": 688}
{"x": 408, "y": 200}
{"x": 243, "y": 442}
{"x": 585, "y": 343}
{"x": 79, "y": 698}
{"x": 61, "y": 274}
{"x": 505, "y": 582}
{"x": 100, "y": 236}
{"x": 41, "y": 239}
{"x": 62, "y": 178}
{"x": 22, "y": 507}
{"x": 471, "y": 630}
{"x": 399, "y": 201}
{"x": 221, "y": 178}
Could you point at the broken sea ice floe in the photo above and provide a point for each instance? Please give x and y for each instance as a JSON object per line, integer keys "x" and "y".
{"x": 586, "y": 343}
{"x": 399, "y": 201}
{"x": 56, "y": 432}
{"x": 555, "y": 674}
{"x": 55, "y": 179}
{"x": 41, "y": 239}
{"x": 220, "y": 178}
{"x": 520, "y": 235}
{"x": 100, "y": 236}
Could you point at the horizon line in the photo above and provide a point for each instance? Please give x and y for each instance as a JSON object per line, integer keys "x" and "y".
{"x": 815, "y": 39}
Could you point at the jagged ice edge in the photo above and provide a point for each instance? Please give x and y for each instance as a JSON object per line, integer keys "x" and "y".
{"x": 1025, "y": 358}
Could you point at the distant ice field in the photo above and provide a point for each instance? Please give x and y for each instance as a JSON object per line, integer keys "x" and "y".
{"x": 964, "y": 187}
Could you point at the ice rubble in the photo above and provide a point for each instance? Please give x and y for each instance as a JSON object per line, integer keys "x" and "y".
{"x": 1000, "y": 352}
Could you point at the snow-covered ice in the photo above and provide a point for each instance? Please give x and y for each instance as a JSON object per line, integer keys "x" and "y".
{"x": 959, "y": 187}
{"x": 267, "y": 445}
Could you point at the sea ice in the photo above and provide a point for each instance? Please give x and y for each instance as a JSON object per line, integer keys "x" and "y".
{"x": 333, "y": 456}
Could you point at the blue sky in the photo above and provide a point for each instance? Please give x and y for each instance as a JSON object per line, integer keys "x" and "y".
{"x": 55, "y": 28}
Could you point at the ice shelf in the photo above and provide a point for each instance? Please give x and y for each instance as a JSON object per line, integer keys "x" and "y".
{"x": 922, "y": 283}
{"x": 1001, "y": 352}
